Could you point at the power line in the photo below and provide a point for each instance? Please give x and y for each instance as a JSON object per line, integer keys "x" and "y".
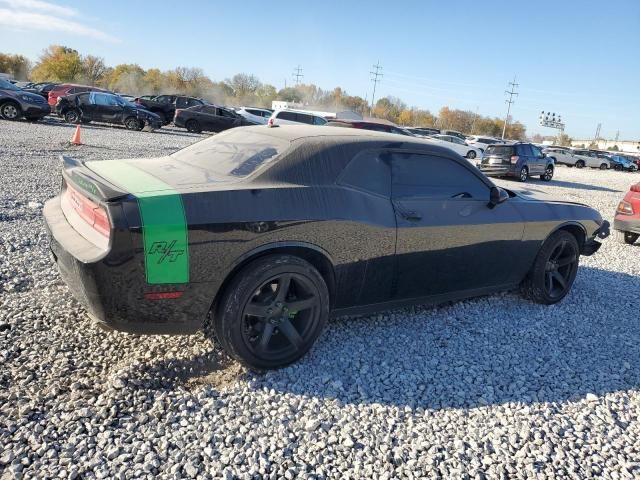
{"x": 297, "y": 74}
{"x": 511, "y": 93}
{"x": 375, "y": 81}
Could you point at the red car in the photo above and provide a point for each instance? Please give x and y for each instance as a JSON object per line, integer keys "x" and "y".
{"x": 69, "y": 89}
{"x": 627, "y": 219}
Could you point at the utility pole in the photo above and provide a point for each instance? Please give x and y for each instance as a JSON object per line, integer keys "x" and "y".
{"x": 375, "y": 74}
{"x": 617, "y": 135}
{"x": 297, "y": 74}
{"x": 511, "y": 93}
{"x": 595, "y": 140}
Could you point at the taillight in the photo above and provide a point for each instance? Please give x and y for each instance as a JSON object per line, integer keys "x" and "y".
{"x": 635, "y": 188}
{"x": 514, "y": 158}
{"x": 92, "y": 213}
{"x": 625, "y": 208}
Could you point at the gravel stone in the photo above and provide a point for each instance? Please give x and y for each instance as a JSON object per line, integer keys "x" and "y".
{"x": 494, "y": 387}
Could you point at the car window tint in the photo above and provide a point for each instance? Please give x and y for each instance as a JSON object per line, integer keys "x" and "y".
{"x": 368, "y": 171}
{"x": 524, "y": 150}
{"x": 226, "y": 113}
{"x": 432, "y": 176}
{"x": 192, "y": 102}
{"x": 181, "y": 102}
{"x": 287, "y": 116}
{"x": 304, "y": 118}
{"x": 536, "y": 151}
{"x": 83, "y": 99}
{"x": 319, "y": 121}
{"x": 100, "y": 99}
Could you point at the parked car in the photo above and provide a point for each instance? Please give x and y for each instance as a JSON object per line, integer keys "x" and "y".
{"x": 454, "y": 133}
{"x": 520, "y": 160}
{"x": 620, "y": 163}
{"x": 589, "y": 158}
{"x": 257, "y": 115}
{"x": 481, "y": 142}
{"x": 294, "y": 117}
{"x": 16, "y": 103}
{"x": 41, "y": 89}
{"x": 561, "y": 156}
{"x": 423, "y": 131}
{"x": 210, "y": 118}
{"x": 456, "y": 144}
{"x": 64, "y": 89}
{"x": 368, "y": 125}
{"x": 626, "y": 223}
{"x": 320, "y": 225}
{"x": 106, "y": 108}
{"x": 165, "y": 110}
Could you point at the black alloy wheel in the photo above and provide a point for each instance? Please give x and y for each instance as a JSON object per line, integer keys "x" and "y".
{"x": 524, "y": 174}
{"x": 272, "y": 312}
{"x": 193, "y": 126}
{"x": 132, "y": 123}
{"x": 580, "y": 164}
{"x": 554, "y": 269}
{"x": 72, "y": 116}
{"x": 548, "y": 174}
{"x": 471, "y": 154}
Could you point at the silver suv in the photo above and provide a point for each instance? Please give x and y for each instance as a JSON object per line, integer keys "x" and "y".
{"x": 16, "y": 103}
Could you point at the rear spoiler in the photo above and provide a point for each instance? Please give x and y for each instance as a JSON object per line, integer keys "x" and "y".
{"x": 76, "y": 173}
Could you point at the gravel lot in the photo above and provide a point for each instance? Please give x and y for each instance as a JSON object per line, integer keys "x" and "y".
{"x": 491, "y": 388}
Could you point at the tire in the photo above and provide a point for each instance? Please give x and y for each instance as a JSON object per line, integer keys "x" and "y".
{"x": 618, "y": 168}
{"x": 193, "y": 126}
{"x": 603, "y": 166}
{"x": 132, "y": 123}
{"x": 580, "y": 164}
{"x": 72, "y": 116}
{"x": 548, "y": 174}
{"x": 524, "y": 174}
{"x": 10, "y": 111}
{"x": 471, "y": 154}
{"x": 554, "y": 269}
{"x": 627, "y": 238}
{"x": 255, "y": 321}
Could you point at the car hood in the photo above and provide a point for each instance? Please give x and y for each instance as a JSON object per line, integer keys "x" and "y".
{"x": 533, "y": 194}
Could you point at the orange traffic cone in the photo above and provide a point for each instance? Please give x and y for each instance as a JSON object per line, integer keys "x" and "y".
{"x": 76, "y": 136}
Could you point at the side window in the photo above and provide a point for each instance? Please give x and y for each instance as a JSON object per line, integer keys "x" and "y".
{"x": 319, "y": 121}
{"x": 99, "y": 99}
{"x": 83, "y": 99}
{"x": 287, "y": 116}
{"x": 536, "y": 151}
{"x": 368, "y": 171}
{"x": 192, "y": 102}
{"x": 71, "y": 91}
{"x": 304, "y": 118}
{"x": 181, "y": 102}
{"x": 524, "y": 150}
{"x": 433, "y": 177}
{"x": 253, "y": 112}
{"x": 226, "y": 113}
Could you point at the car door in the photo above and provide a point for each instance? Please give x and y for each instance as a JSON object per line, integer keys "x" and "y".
{"x": 106, "y": 107}
{"x": 227, "y": 119}
{"x": 538, "y": 159}
{"x": 524, "y": 152}
{"x": 86, "y": 107}
{"x": 448, "y": 238}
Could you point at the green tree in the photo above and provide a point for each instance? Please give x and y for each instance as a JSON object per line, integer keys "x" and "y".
{"x": 154, "y": 81}
{"x": 17, "y": 66}
{"x": 614, "y": 148}
{"x": 93, "y": 69}
{"x": 565, "y": 140}
{"x": 265, "y": 94}
{"x": 58, "y": 64}
{"x": 289, "y": 94}
{"x": 126, "y": 78}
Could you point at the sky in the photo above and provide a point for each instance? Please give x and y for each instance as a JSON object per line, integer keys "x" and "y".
{"x": 576, "y": 58}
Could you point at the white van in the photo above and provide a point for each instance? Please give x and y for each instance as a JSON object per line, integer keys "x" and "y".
{"x": 295, "y": 117}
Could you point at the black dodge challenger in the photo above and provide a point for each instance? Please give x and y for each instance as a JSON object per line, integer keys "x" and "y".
{"x": 258, "y": 234}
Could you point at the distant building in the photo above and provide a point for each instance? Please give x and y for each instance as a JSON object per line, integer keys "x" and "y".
{"x": 629, "y": 146}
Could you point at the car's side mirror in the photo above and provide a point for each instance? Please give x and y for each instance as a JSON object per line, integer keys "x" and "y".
{"x": 497, "y": 196}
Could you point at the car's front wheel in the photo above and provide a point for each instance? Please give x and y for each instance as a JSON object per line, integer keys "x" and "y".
{"x": 471, "y": 154}
{"x": 628, "y": 238}
{"x": 548, "y": 174}
{"x": 580, "y": 164}
{"x": 10, "y": 111}
{"x": 554, "y": 269}
{"x": 132, "y": 123}
{"x": 524, "y": 174}
{"x": 72, "y": 116}
{"x": 193, "y": 126}
{"x": 603, "y": 166}
{"x": 272, "y": 312}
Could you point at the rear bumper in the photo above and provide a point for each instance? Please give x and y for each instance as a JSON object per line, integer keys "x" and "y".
{"x": 111, "y": 284}
{"x": 626, "y": 223}
{"x": 498, "y": 170}
{"x": 591, "y": 246}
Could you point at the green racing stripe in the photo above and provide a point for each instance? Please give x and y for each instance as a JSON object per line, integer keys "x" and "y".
{"x": 164, "y": 226}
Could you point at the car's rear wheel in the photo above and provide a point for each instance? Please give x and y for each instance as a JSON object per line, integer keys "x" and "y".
{"x": 132, "y": 123}
{"x": 524, "y": 174}
{"x": 554, "y": 269}
{"x": 193, "y": 126}
{"x": 603, "y": 166}
{"x": 72, "y": 116}
{"x": 548, "y": 174}
{"x": 580, "y": 164}
{"x": 628, "y": 238}
{"x": 471, "y": 154}
{"x": 10, "y": 111}
{"x": 272, "y": 312}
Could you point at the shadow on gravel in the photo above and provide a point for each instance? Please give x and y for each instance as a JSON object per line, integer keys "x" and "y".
{"x": 580, "y": 186}
{"x": 489, "y": 351}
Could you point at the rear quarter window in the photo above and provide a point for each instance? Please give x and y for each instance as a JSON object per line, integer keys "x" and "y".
{"x": 499, "y": 150}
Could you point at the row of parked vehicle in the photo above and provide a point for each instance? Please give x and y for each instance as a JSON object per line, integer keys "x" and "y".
{"x": 581, "y": 158}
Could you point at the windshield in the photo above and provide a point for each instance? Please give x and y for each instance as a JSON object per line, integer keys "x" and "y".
{"x": 234, "y": 153}
{"x": 6, "y": 85}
